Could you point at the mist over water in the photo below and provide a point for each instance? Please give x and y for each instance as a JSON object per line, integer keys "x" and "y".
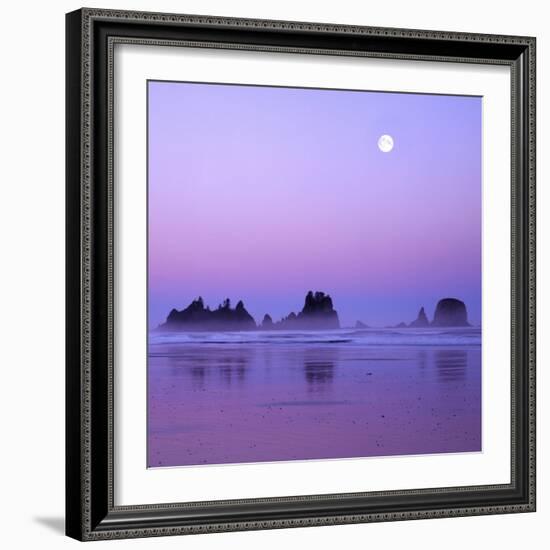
{"x": 257, "y": 396}
{"x": 358, "y": 337}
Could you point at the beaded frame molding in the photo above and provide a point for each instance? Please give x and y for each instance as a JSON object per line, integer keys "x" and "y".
{"x": 90, "y": 510}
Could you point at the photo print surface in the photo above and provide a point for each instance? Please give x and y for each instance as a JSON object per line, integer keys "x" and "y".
{"x": 314, "y": 274}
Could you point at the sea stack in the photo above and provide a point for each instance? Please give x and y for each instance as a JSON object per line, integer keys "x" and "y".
{"x": 421, "y": 321}
{"x": 267, "y": 323}
{"x": 450, "y": 312}
{"x": 318, "y": 313}
{"x": 198, "y": 317}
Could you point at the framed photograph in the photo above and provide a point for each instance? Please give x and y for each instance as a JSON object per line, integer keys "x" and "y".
{"x": 300, "y": 274}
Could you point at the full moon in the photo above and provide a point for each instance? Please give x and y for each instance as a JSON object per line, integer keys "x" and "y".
{"x": 385, "y": 143}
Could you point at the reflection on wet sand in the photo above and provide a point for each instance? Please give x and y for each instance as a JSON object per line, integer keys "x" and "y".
{"x": 219, "y": 404}
{"x": 319, "y": 368}
{"x": 318, "y": 373}
{"x": 230, "y": 366}
{"x": 451, "y": 364}
{"x": 233, "y": 369}
{"x": 197, "y": 376}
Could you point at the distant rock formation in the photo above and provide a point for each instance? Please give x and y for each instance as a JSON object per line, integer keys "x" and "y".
{"x": 400, "y": 325}
{"x": 360, "y": 325}
{"x": 198, "y": 317}
{"x": 421, "y": 321}
{"x": 290, "y": 322}
{"x": 317, "y": 314}
{"x": 318, "y": 311}
{"x": 267, "y": 323}
{"x": 450, "y": 312}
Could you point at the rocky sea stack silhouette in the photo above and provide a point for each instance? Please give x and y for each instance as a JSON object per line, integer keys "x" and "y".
{"x": 421, "y": 321}
{"x": 267, "y": 323}
{"x": 317, "y": 314}
{"x": 450, "y": 312}
{"x": 198, "y": 317}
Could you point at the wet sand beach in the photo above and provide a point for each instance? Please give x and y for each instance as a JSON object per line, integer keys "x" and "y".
{"x": 218, "y": 398}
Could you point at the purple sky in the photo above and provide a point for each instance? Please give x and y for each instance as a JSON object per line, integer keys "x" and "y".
{"x": 262, "y": 193}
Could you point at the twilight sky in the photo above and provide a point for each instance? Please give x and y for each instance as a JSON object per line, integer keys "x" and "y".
{"x": 263, "y": 193}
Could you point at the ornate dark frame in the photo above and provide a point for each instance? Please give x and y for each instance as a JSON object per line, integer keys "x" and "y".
{"x": 90, "y": 510}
